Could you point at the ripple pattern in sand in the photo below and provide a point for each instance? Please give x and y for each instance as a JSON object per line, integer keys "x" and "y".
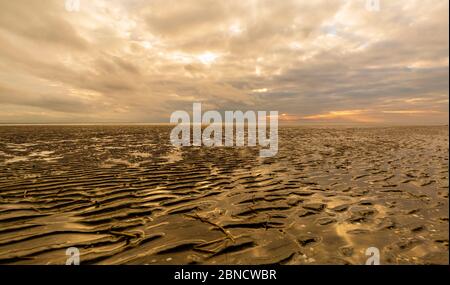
{"x": 123, "y": 195}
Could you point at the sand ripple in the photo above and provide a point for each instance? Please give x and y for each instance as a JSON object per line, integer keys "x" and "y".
{"x": 123, "y": 195}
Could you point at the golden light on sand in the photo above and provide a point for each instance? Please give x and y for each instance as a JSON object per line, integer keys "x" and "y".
{"x": 205, "y": 132}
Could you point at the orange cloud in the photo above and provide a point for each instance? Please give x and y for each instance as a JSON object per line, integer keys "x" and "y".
{"x": 409, "y": 112}
{"x": 334, "y": 115}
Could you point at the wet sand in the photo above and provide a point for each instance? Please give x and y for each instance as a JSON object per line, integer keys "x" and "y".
{"x": 124, "y": 195}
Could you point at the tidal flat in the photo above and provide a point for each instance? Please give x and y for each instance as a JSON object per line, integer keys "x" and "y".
{"x": 125, "y": 195}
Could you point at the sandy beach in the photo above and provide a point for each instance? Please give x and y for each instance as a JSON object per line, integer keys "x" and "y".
{"x": 124, "y": 195}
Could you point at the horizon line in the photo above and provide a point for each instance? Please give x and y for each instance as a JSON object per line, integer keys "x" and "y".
{"x": 280, "y": 123}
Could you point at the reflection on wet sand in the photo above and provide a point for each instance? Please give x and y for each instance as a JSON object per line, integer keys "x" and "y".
{"x": 124, "y": 195}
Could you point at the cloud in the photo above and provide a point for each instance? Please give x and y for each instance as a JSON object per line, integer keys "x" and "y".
{"x": 138, "y": 61}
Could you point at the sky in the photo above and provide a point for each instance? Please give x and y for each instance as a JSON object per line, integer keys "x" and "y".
{"x": 315, "y": 62}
